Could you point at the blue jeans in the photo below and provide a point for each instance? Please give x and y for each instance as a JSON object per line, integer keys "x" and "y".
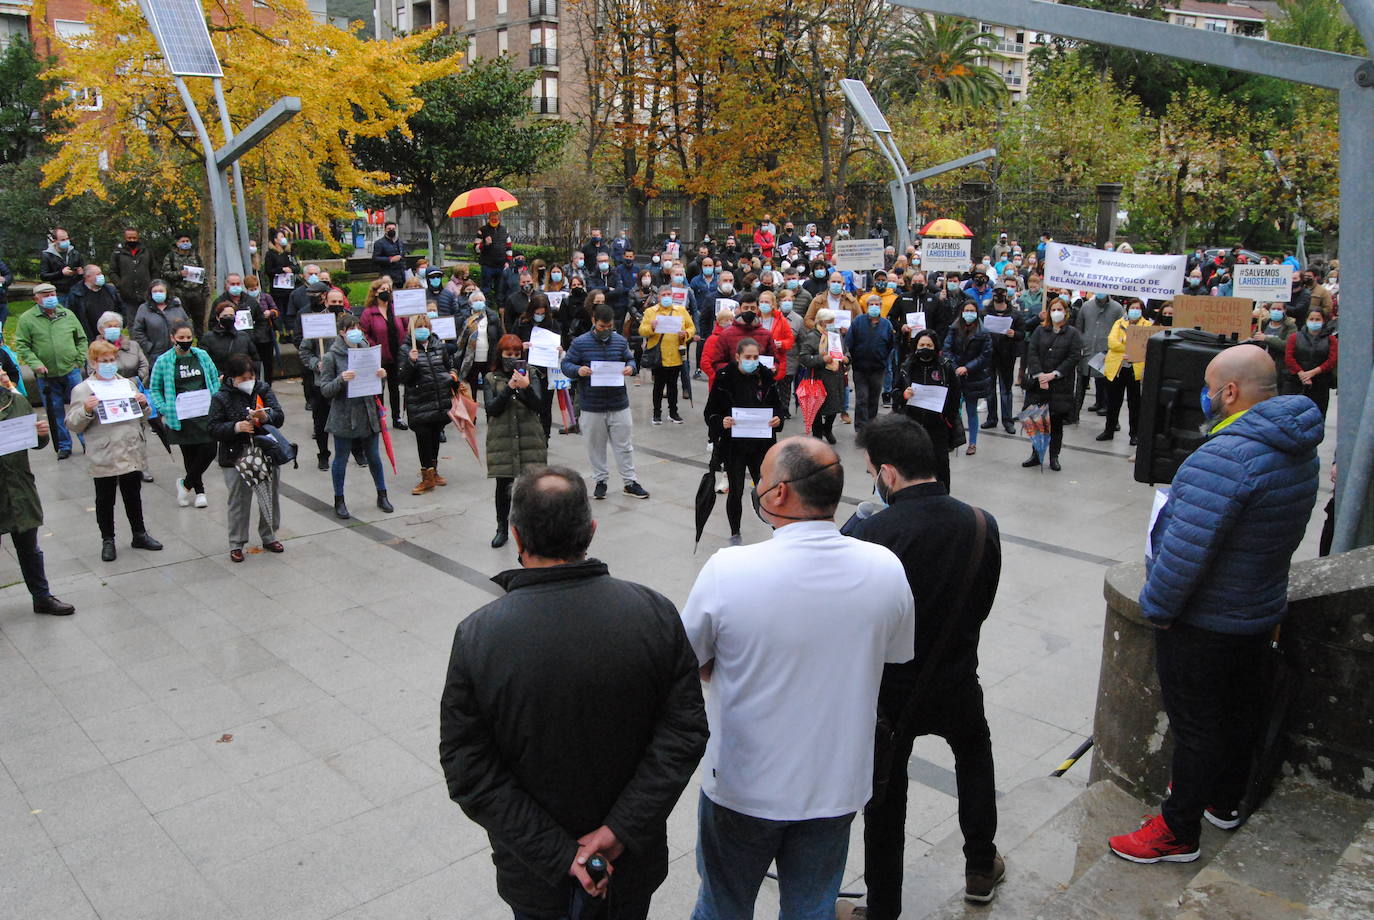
{"x": 56, "y": 393}
{"x": 971, "y": 411}
{"x": 343, "y": 449}
{"x": 734, "y": 852}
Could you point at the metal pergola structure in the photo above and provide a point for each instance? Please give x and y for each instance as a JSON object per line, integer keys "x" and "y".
{"x": 1352, "y": 78}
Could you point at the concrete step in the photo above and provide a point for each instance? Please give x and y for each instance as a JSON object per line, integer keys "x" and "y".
{"x": 1308, "y": 853}
{"x": 1043, "y": 861}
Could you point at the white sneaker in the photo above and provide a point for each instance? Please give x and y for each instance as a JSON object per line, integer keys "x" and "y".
{"x": 200, "y": 500}
{"x": 183, "y": 493}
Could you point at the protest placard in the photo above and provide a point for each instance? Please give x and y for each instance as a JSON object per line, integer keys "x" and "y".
{"x": 1264, "y": 283}
{"x": 445, "y": 327}
{"x": 1137, "y": 340}
{"x": 1222, "y": 315}
{"x": 1119, "y": 274}
{"x": 319, "y": 325}
{"x": 858, "y": 255}
{"x": 944, "y": 255}
{"x": 408, "y": 301}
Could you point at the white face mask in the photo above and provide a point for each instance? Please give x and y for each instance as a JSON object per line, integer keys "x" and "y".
{"x": 245, "y": 387}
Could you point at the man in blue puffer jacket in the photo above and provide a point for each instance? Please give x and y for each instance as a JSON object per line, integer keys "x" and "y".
{"x": 1217, "y": 585}
{"x": 605, "y": 410}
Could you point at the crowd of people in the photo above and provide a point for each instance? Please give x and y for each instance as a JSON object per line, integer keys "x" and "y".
{"x": 783, "y": 336}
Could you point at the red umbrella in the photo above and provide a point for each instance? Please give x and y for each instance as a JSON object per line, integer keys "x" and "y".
{"x": 481, "y": 201}
{"x": 463, "y": 412}
{"x": 565, "y": 408}
{"x": 386, "y": 435}
{"x": 810, "y": 397}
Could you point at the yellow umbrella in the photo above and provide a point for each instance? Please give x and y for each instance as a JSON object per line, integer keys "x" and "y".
{"x": 946, "y": 227}
{"x": 481, "y": 201}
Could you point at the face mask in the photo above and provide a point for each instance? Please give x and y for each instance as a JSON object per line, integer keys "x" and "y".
{"x": 656, "y": 260}
{"x": 312, "y": 278}
{"x": 925, "y": 354}
{"x": 64, "y": 245}
{"x": 952, "y": 285}
{"x": 478, "y": 304}
{"x": 227, "y": 322}
{"x": 747, "y": 317}
{"x": 432, "y": 314}
{"x": 793, "y": 284}
{"x": 182, "y": 346}
{"x": 99, "y": 280}
{"x": 107, "y": 369}
{"x": 1056, "y": 316}
{"x": 1194, "y": 282}
{"x": 390, "y": 234}
{"x": 555, "y": 277}
{"x": 384, "y": 296}
{"x": 159, "y": 296}
{"x": 422, "y": 334}
{"x": 1314, "y": 325}
{"x": 252, "y": 250}
{"x": 1133, "y": 314}
{"x": 818, "y": 273}
{"x": 354, "y": 336}
{"x": 765, "y": 308}
{"x": 679, "y": 280}
{"x": 235, "y": 289}
{"x": 708, "y": 270}
{"x": 970, "y": 316}
{"x": 882, "y": 492}
{"x": 749, "y": 365}
{"x": 786, "y": 306}
{"x": 1276, "y": 316}
{"x": 527, "y": 287}
{"x": 1206, "y": 402}
{"x": 603, "y": 266}
{"x": 183, "y": 246}
{"x": 666, "y": 301}
{"x": 726, "y": 287}
{"x": 49, "y": 303}
{"x": 579, "y": 262}
{"x": 245, "y": 387}
{"x": 875, "y": 310}
{"x": 836, "y": 287}
{"x": 603, "y": 335}
{"x": 539, "y": 317}
{"x": 112, "y": 334}
{"x": 1101, "y": 298}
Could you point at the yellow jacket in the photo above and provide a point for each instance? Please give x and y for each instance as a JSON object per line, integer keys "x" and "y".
{"x": 1116, "y": 349}
{"x": 671, "y": 357}
{"x": 889, "y": 298}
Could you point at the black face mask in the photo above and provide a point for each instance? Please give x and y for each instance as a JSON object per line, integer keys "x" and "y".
{"x": 925, "y": 354}
{"x": 391, "y": 234}
{"x": 756, "y": 498}
{"x": 747, "y": 317}
{"x": 603, "y": 335}
{"x": 182, "y": 346}
{"x": 226, "y": 322}
{"x": 508, "y": 364}
{"x": 384, "y": 296}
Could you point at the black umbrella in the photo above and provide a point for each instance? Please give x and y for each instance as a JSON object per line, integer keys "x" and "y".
{"x": 161, "y": 431}
{"x": 1284, "y": 682}
{"x": 705, "y": 503}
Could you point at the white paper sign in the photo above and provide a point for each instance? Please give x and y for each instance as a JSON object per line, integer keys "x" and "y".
{"x": 835, "y": 345}
{"x": 544, "y": 347}
{"x": 842, "y": 319}
{"x": 768, "y": 361}
{"x": 556, "y": 298}
{"x": 195, "y": 274}
{"x": 1161, "y": 498}
{"x": 445, "y": 327}
{"x": 608, "y": 374}
{"x": 751, "y": 423}
{"x": 408, "y": 302}
{"x": 319, "y": 325}
{"x": 667, "y": 324}
{"x": 1264, "y": 283}
{"x": 243, "y": 320}
{"x": 124, "y": 409}
{"x": 1097, "y": 362}
{"x": 917, "y": 321}
{"x": 364, "y": 363}
{"x": 924, "y": 396}
{"x": 943, "y": 255}
{"x": 18, "y": 434}
{"x": 996, "y": 325}
{"x": 193, "y": 404}
{"x": 725, "y": 303}
{"x": 118, "y": 388}
{"x": 858, "y": 255}
{"x": 1116, "y": 273}
{"x": 284, "y": 281}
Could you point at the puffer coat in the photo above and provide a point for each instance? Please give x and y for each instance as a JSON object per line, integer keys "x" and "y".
{"x": 429, "y": 381}
{"x": 515, "y": 436}
{"x": 1051, "y": 351}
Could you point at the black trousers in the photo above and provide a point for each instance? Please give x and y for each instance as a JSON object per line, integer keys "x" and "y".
{"x": 1003, "y": 373}
{"x": 196, "y": 459}
{"x": 1081, "y": 391}
{"x": 267, "y": 356}
{"x": 393, "y": 386}
{"x": 503, "y": 490}
{"x": 427, "y": 442}
{"x": 959, "y": 719}
{"x": 665, "y": 380}
{"x": 1124, "y": 385}
{"x": 1213, "y": 687}
{"x": 130, "y": 488}
{"x": 739, "y": 460}
{"x": 31, "y": 562}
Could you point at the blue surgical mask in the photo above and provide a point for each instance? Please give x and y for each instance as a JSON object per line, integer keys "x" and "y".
{"x": 836, "y": 287}
{"x": 970, "y": 316}
{"x": 819, "y": 273}
{"x": 49, "y": 303}
{"x": 159, "y": 296}
{"x": 354, "y": 336}
{"x": 1101, "y": 298}
{"x": 311, "y": 278}
{"x": 432, "y": 314}
{"x": 708, "y": 270}
{"x": 422, "y": 334}
{"x": 107, "y": 369}
{"x": 793, "y": 283}
{"x": 1276, "y": 316}
{"x": 1133, "y": 314}
{"x": 236, "y": 289}
{"x": 99, "y": 280}
{"x": 1314, "y": 325}
{"x": 184, "y": 246}
{"x": 555, "y": 276}
{"x": 875, "y": 310}
{"x": 679, "y": 280}
{"x": 64, "y": 245}
{"x": 749, "y": 365}
{"x": 1206, "y": 402}
{"x": 666, "y": 301}
{"x": 112, "y": 334}
{"x": 787, "y": 306}
{"x": 539, "y": 317}
{"x": 436, "y": 282}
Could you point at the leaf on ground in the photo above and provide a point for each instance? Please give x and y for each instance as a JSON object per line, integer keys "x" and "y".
{"x": 224, "y": 739}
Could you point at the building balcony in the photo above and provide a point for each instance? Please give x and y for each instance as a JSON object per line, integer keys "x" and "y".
{"x": 543, "y": 9}
{"x": 543, "y": 57}
{"x": 1011, "y": 48}
{"x": 1012, "y": 79}
{"x": 545, "y": 105}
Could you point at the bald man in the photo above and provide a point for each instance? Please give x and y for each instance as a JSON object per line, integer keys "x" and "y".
{"x": 792, "y": 635}
{"x": 1217, "y": 585}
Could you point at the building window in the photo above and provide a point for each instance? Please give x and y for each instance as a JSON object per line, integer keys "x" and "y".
{"x": 502, "y": 41}
{"x": 1216, "y": 25}
{"x": 502, "y": 7}
{"x": 84, "y": 98}
{"x": 472, "y": 10}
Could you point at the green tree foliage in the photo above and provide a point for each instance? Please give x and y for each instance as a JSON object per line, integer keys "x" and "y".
{"x": 476, "y": 128}
{"x": 943, "y": 54}
{"x": 1317, "y": 24}
{"x": 24, "y": 105}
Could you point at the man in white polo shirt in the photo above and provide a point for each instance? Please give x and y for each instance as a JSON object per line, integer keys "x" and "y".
{"x": 792, "y": 636}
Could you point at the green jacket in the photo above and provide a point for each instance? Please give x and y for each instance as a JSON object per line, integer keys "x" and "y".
{"x": 55, "y": 341}
{"x": 515, "y": 436}
{"x": 20, "y": 509}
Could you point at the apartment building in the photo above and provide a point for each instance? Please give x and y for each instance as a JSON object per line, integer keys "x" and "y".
{"x": 1233, "y": 18}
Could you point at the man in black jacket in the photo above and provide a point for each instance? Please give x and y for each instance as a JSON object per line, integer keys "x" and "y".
{"x": 491, "y": 245}
{"x": 131, "y": 271}
{"x": 933, "y": 535}
{"x": 572, "y": 716}
{"x": 388, "y": 255}
{"x": 60, "y": 264}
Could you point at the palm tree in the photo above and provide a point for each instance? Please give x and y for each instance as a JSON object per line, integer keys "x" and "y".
{"x": 947, "y": 55}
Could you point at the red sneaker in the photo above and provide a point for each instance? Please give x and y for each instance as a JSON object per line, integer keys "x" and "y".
{"x": 1153, "y": 843}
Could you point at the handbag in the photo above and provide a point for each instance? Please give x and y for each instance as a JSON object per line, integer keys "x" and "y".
{"x": 275, "y": 447}
{"x": 652, "y": 358}
{"x": 958, "y": 436}
{"x": 887, "y": 732}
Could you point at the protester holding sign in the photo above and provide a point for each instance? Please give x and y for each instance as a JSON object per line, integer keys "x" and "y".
{"x": 1052, "y": 357}
{"x": 182, "y": 383}
{"x": 1273, "y": 333}
{"x": 744, "y": 383}
{"x": 223, "y": 338}
{"x": 926, "y": 367}
{"x": 382, "y": 327}
{"x": 117, "y": 456}
{"x": 968, "y": 348}
{"x": 540, "y": 315}
{"x": 427, "y": 370}
{"x": 667, "y": 329}
{"x": 1123, "y": 375}
{"x": 822, "y": 357}
{"x": 516, "y": 438}
{"x": 1094, "y": 320}
{"x": 351, "y": 419}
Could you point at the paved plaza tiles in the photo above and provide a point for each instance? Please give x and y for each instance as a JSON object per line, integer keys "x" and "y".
{"x": 259, "y": 741}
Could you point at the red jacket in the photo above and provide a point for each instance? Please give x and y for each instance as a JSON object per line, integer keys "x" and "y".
{"x": 374, "y": 327}
{"x": 764, "y": 240}
{"x": 730, "y": 337}
{"x": 783, "y": 339}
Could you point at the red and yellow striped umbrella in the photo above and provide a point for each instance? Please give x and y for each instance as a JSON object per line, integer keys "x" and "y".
{"x": 946, "y": 227}
{"x": 481, "y": 201}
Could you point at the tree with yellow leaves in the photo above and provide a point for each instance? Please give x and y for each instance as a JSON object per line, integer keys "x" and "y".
{"x": 140, "y": 132}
